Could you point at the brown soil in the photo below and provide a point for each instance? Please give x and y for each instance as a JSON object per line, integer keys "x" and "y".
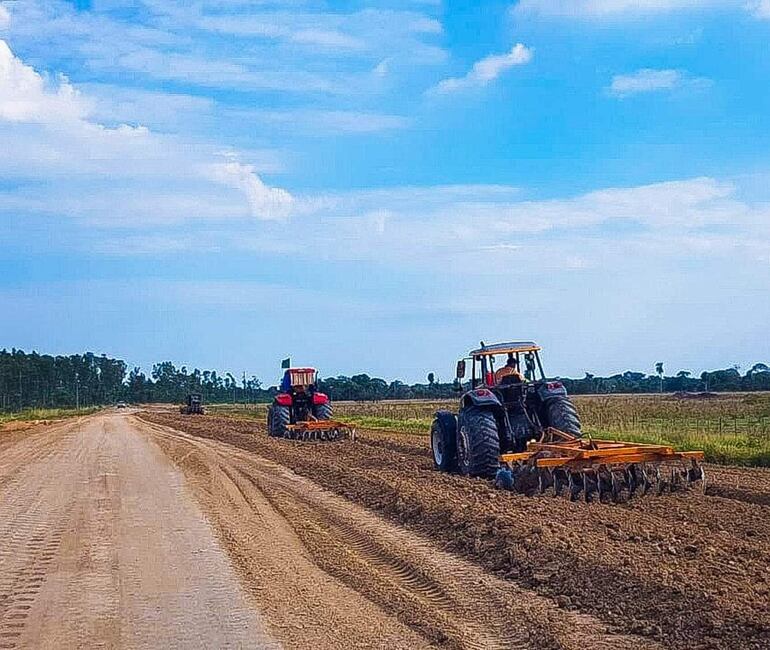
{"x": 22, "y": 425}
{"x": 688, "y": 570}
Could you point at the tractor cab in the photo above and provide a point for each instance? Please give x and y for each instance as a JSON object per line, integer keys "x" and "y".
{"x": 489, "y": 359}
{"x": 299, "y": 379}
{"x": 508, "y": 381}
{"x": 193, "y": 405}
{"x": 511, "y": 372}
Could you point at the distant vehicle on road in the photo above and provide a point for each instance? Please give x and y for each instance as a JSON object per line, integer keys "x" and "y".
{"x": 121, "y": 405}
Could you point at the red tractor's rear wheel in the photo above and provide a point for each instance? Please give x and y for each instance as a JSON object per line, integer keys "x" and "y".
{"x": 323, "y": 411}
{"x": 278, "y": 418}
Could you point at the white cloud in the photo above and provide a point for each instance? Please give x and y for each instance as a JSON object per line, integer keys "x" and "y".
{"x": 486, "y": 70}
{"x": 371, "y": 29}
{"x": 268, "y": 203}
{"x": 266, "y": 49}
{"x": 5, "y": 17}
{"x": 382, "y": 68}
{"x": 648, "y": 80}
{"x": 95, "y": 173}
{"x": 323, "y": 123}
{"x": 760, "y": 9}
{"x": 25, "y": 96}
{"x": 645, "y": 81}
{"x": 615, "y": 9}
{"x": 218, "y": 73}
{"x": 112, "y": 104}
{"x": 430, "y": 227}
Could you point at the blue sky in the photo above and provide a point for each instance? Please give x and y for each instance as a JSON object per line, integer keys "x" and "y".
{"x": 378, "y": 185}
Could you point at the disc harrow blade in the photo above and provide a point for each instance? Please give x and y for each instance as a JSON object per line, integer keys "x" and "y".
{"x": 695, "y": 473}
{"x": 603, "y": 484}
{"x": 576, "y": 485}
{"x": 545, "y": 480}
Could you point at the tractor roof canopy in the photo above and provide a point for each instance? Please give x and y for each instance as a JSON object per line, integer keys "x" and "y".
{"x": 514, "y": 347}
{"x": 302, "y": 376}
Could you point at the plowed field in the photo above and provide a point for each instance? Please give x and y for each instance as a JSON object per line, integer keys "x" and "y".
{"x": 464, "y": 565}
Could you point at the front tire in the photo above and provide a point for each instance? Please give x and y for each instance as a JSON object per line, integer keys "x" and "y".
{"x": 443, "y": 441}
{"x": 478, "y": 443}
{"x": 278, "y": 418}
{"x": 562, "y": 415}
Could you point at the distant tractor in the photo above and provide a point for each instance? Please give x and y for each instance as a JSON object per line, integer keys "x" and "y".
{"x": 520, "y": 428}
{"x": 300, "y": 411}
{"x": 193, "y": 405}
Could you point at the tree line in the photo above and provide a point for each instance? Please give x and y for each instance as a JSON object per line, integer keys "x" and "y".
{"x": 32, "y": 380}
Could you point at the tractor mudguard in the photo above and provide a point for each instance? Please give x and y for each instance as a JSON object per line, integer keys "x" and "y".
{"x": 284, "y": 399}
{"x": 480, "y": 397}
{"x": 320, "y": 398}
{"x": 551, "y": 389}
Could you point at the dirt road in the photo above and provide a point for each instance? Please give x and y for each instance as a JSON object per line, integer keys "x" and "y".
{"x": 686, "y": 570}
{"x": 101, "y": 546}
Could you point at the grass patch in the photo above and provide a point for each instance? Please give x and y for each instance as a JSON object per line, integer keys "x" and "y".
{"x": 726, "y": 449}
{"x": 243, "y": 411}
{"x": 403, "y": 425}
{"x": 30, "y": 415}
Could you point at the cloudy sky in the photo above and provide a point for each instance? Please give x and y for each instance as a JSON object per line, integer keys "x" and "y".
{"x": 378, "y": 185}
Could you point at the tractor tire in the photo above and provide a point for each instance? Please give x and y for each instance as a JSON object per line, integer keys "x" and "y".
{"x": 323, "y": 411}
{"x": 562, "y": 415}
{"x": 278, "y": 418}
{"x": 443, "y": 441}
{"x": 478, "y": 443}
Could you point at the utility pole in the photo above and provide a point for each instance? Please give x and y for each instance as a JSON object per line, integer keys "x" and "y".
{"x": 77, "y": 391}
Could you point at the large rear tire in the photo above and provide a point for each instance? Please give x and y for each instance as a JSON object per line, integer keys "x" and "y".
{"x": 323, "y": 411}
{"x": 443, "y": 441}
{"x": 562, "y": 415}
{"x": 478, "y": 443}
{"x": 278, "y": 418}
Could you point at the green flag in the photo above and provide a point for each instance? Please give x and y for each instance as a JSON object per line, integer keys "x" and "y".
{"x": 286, "y": 363}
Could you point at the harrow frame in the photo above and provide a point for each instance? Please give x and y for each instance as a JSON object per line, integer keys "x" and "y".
{"x": 590, "y": 466}
{"x": 317, "y": 429}
{"x": 572, "y": 452}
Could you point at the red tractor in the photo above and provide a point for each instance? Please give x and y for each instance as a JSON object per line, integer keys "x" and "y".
{"x": 300, "y": 411}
